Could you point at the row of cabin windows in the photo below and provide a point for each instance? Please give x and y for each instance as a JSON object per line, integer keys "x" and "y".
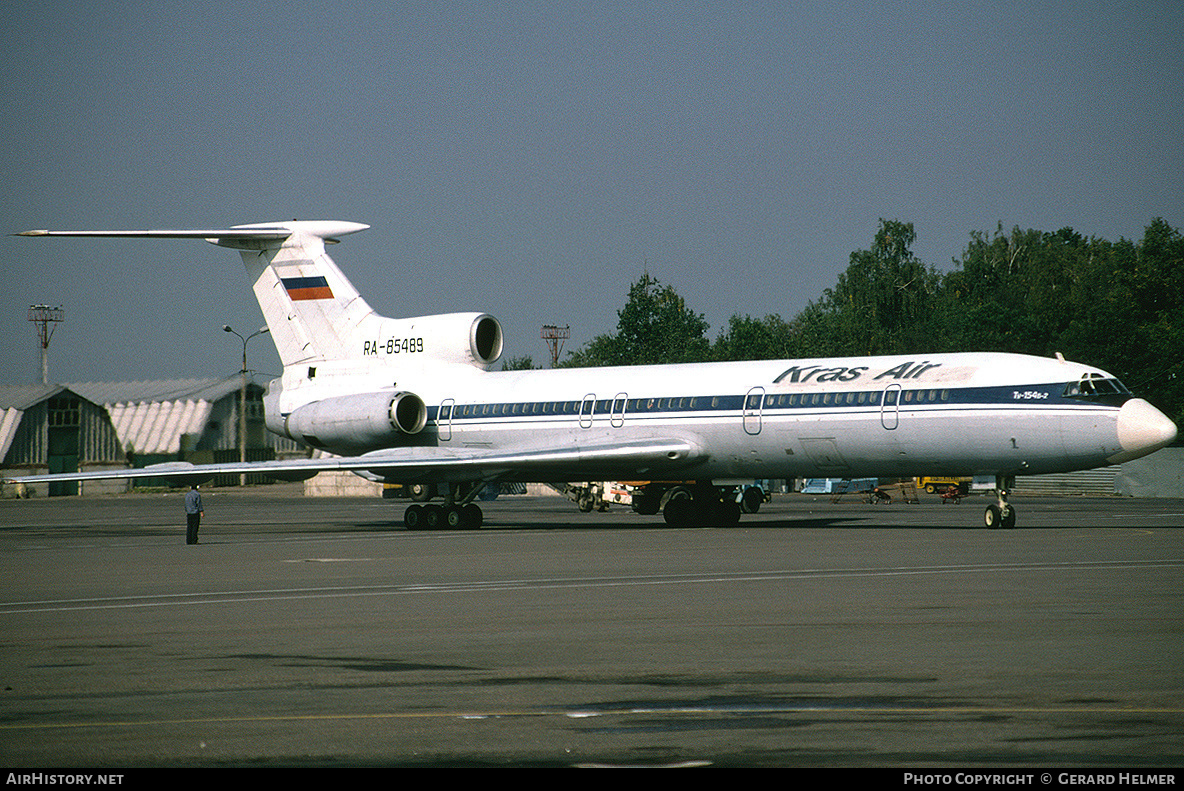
{"x": 621, "y": 405}
{"x": 600, "y": 407}
{"x": 872, "y": 398}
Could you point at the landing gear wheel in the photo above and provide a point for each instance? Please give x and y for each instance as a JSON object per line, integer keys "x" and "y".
{"x": 647, "y": 504}
{"x": 472, "y": 516}
{"x": 422, "y": 492}
{"x": 751, "y": 500}
{"x": 997, "y": 517}
{"x": 453, "y": 517}
{"x": 433, "y": 517}
{"x": 1001, "y": 514}
{"x": 679, "y": 512}
{"x": 413, "y": 517}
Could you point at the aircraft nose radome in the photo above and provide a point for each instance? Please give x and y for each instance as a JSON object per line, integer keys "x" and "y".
{"x": 1142, "y": 429}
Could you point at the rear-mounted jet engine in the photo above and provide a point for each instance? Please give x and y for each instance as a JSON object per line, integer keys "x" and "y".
{"x": 357, "y": 423}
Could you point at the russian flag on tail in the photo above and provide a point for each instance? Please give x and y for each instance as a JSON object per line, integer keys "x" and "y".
{"x": 300, "y": 288}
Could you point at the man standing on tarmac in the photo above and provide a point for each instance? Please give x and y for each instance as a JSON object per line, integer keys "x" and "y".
{"x": 193, "y": 513}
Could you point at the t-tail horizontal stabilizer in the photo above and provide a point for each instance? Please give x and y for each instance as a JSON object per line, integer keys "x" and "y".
{"x": 314, "y": 313}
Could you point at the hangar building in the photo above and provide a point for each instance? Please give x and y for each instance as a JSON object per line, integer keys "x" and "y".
{"x": 105, "y": 425}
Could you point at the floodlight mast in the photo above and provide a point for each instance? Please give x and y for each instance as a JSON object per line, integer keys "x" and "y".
{"x": 555, "y": 336}
{"x": 46, "y": 319}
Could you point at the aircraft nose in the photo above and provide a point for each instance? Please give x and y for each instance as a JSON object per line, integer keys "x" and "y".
{"x": 1142, "y": 429}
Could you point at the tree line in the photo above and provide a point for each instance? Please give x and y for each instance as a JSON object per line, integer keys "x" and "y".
{"x": 1117, "y": 305}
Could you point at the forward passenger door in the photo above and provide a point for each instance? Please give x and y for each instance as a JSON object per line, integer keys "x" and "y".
{"x": 753, "y": 405}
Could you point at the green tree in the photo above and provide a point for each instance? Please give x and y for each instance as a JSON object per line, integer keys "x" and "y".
{"x": 983, "y": 304}
{"x": 655, "y": 326}
{"x": 523, "y": 363}
{"x": 882, "y": 302}
{"x": 1155, "y": 320}
{"x": 747, "y": 338}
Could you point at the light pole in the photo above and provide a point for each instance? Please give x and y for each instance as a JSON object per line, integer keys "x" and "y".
{"x": 46, "y": 319}
{"x": 242, "y": 404}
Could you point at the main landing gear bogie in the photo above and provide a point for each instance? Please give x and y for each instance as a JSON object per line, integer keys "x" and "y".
{"x": 457, "y": 512}
{"x": 443, "y": 517}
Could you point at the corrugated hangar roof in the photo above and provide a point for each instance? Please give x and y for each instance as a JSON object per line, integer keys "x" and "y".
{"x": 157, "y": 391}
{"x": 21, "y": 397}
{"x": 151, "y": 417}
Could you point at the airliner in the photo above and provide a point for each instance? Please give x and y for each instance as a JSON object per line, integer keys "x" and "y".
{"x": 415, "y": 401}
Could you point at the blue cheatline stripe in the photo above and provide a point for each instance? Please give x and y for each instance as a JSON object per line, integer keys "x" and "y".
{"x": 930, "y": 399}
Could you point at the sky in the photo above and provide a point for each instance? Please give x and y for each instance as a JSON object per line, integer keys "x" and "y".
{"x": 533, "y": 160}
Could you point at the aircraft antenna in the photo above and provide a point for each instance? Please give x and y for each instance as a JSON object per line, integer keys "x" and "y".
{"x": 46, "y": 319}
{"x": 555, "y": 336}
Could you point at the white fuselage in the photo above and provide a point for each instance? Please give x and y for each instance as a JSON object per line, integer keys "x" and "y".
{"x": 956, "y": 414}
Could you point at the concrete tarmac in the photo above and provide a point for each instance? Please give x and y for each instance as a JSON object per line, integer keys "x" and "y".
{"x": 317, "y": 632}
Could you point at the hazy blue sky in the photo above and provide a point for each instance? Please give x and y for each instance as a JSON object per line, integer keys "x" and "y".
{"x": 532, "y": 160}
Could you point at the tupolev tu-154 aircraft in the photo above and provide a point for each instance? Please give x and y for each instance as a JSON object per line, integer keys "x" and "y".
{"x": 413, "y": 400}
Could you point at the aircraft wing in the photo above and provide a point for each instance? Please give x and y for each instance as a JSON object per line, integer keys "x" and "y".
{"x": 635, "y": 459}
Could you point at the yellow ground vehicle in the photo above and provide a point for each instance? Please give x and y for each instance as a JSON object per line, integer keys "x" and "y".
{"x": 934, "y": 485}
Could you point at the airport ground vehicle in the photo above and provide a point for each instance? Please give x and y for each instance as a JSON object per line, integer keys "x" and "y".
{"x": 939, "y": 484}
{"x": 650, "y": 497}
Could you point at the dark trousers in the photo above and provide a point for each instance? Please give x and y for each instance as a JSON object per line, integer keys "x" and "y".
{"x": 194, "y": 522}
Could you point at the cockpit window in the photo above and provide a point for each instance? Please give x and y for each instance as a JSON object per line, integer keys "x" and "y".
{"x": 1095, "y": 387}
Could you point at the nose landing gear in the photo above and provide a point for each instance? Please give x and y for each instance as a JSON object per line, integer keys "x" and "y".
{"x": 1002, "y": 513}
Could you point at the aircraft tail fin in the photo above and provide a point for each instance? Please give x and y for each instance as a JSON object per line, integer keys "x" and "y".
{"x": 313, "y": 312}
